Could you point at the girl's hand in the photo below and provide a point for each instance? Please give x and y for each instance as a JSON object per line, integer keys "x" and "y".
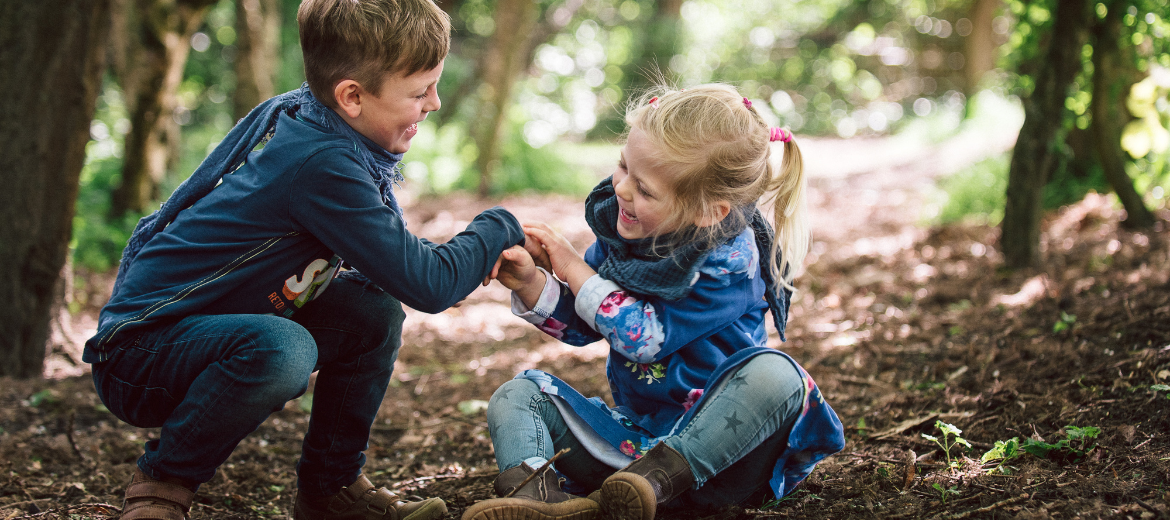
{"x": 539, "y": 255}
{"x": 565, "y": 262}
{"x": 518, "y": 272}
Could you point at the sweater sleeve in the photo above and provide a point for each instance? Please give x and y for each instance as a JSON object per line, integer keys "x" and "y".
{"x": 336, "y": 201}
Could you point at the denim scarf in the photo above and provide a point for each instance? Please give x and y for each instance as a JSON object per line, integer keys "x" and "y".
{"x": 639, "y": 266}
{"x": 256, "y": 128}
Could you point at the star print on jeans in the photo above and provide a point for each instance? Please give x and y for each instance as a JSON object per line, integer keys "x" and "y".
{"x": 503, "y": 392}
{"x": 737, "y": 381}
{"x": 732, "y": 422}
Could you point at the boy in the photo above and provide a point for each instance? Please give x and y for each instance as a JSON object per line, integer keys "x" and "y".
{"x": 233, "y": 293}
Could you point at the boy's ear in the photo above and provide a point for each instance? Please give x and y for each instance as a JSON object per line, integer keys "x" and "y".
{"x": 347, "y": 93}
{"x": 719, "y": 212}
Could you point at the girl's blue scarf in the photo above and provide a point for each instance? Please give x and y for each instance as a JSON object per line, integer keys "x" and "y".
{"x": 256, "y": 128}
{"x": 637, "y": 266}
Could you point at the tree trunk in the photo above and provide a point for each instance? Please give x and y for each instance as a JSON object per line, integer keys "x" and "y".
{"x": 504, "y": 59}
{"x": 155, "y": 62}
{"x": 258, "y": 42}
{"x": 1044, "y": 112}
{"x": 1113, "y": 75}
{"x": 980, "y": 47}
{"x": 52, "y": 55}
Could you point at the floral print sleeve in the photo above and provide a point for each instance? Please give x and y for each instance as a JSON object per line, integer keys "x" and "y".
{"x": 553, "y": 314}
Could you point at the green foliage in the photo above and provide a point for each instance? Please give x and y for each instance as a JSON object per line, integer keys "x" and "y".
{"x": 1079, "y": 442}
{"x": 950, "y": 439}
{"x": 1065, "y": 322}
{"x": 1003, "y": 452}
{"x": 945, "y": 492}
{"x": 1161, "y": 388}
{"x": 975, "y": 193}
{"x": 45, "y": 396}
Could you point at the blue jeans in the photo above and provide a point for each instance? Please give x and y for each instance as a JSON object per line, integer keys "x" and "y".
{"x": 764, "y": 396}
{"x": 210, "y": 380}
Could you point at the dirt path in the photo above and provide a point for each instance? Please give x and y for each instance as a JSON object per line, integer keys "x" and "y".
{"x": 901, "y": 326}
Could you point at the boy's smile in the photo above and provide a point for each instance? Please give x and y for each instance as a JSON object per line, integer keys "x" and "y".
{"x": 391, "y": 118}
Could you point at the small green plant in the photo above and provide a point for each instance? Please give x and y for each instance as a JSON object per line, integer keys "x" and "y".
{"x": 1065, "y": 322}
{"x": 1003, "y": 452}
{"x": 950, "y": 439}
{"x": 1078, "y": 444}
{"x": 1161, "y": 388}
{"x": 944, "y": 492}
{"x": 861, "y": 426}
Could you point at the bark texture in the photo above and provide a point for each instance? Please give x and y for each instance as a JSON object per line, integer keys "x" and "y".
{"x": 52, "y": 55}
{"x": 258, "y": 41}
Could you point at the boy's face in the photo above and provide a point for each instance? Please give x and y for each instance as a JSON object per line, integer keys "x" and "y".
{"x": 391, "y": 118}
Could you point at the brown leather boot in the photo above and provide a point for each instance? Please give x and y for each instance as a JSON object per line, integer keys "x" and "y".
{"x": 635, "y": 492}
{"x": 361, "y": 501}
{"x": 150, "y": 499}
{"x": 540, "y": 499}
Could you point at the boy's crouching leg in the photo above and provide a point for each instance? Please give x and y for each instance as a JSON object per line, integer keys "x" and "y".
{"x": 361, "y": 501}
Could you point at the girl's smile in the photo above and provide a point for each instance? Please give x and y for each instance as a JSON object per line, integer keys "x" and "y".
{"x": 643, "y": 188}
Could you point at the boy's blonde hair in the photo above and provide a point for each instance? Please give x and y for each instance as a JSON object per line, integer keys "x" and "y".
{"x": 718, "y": 149}
{"x": 363, "y": 40}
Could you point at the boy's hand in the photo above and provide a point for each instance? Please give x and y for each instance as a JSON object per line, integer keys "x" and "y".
{"x": 565, "y": 262}
{"x": 518, "y": 273}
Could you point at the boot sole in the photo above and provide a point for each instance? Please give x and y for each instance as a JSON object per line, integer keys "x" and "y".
{"x": 525, "y": 509}
{"x": 628, "y": 496}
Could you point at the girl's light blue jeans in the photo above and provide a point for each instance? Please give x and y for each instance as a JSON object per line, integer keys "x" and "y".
{"x": 210, "y": 380}
{"x": 731, "y": 442}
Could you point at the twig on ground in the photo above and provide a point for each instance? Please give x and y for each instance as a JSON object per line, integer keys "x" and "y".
{"x": 417, "y": 480}
{"x": 984, "y": 509}
{"x": 69, "y": 435}
{"x": 109, "y": 508}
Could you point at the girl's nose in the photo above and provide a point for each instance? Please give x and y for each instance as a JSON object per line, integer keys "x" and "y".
{"x": 623, "y": 187}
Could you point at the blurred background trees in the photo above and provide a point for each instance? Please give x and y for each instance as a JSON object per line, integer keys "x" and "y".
{"x": 534, "y": 91}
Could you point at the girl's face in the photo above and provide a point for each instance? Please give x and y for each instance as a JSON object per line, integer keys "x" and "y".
{"x": 644, "y": 189}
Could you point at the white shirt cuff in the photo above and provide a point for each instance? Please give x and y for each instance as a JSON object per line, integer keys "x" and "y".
{"x": 589, "y": 298}
{"x": 550, "y": 296}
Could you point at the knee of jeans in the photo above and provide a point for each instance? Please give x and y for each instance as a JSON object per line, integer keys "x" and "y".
{"x": 380, "y": 316}
{"x": 514, "y": 393}
{"x": 284, "y": 366}
{"x": 773, "y": 376}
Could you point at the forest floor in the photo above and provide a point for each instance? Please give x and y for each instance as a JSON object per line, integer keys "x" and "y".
{"x": 901, "y": 325}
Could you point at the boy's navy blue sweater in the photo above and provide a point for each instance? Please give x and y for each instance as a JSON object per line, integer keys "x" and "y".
{"x": 273, "y": 234}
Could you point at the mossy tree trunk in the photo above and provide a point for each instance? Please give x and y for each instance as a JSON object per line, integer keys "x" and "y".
{"x": 52, "y": 55}
{"x": 1113, "y": 75}
{"x": 156, "y": 52}
{"x": 1034, "y": 154}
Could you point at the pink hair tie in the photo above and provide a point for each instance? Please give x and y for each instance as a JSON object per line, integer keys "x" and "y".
{"x": 654, "y": 101}
{"x": 780, "y": 134}
{"x": 747, "y": 102}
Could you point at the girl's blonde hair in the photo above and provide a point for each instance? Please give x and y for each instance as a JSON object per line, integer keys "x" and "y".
{"x": 718, "y": 148}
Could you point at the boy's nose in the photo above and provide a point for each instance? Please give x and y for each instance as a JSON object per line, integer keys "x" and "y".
{"x": 433, "y": 103}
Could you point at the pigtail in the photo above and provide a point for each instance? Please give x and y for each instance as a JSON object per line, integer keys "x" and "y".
{"x": 785, "y": 192}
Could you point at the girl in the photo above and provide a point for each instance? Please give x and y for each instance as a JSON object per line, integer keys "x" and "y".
{"x": 678, "y": 282}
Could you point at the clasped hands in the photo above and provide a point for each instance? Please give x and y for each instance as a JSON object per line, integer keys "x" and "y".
{"x": 516, "y": 268}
